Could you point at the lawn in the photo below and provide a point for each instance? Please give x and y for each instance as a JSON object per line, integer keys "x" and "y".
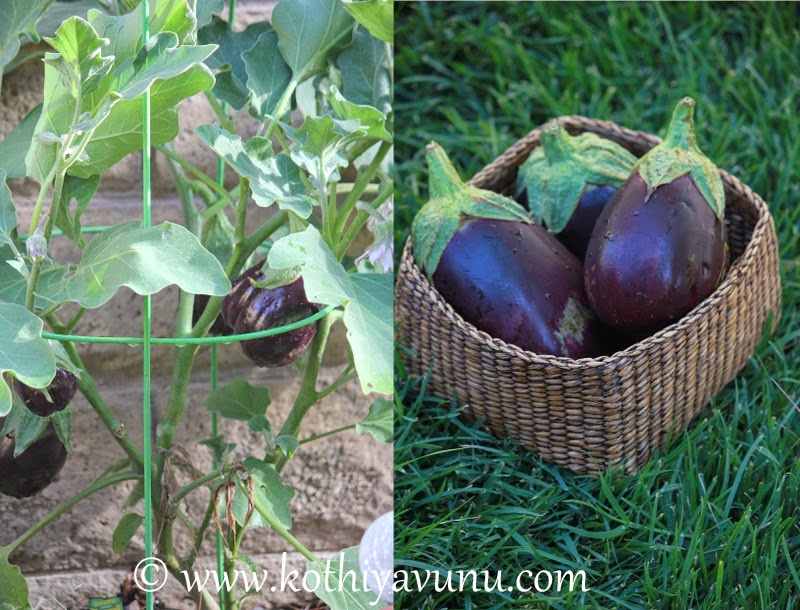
{"x": 711, "y": 521}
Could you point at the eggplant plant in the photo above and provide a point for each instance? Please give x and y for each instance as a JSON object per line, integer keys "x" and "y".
{"x": 317, "y": 79}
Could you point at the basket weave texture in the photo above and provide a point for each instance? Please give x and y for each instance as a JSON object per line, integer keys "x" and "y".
{"x": 590, "y": 414}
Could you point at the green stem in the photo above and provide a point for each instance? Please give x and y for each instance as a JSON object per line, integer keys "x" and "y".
{"x": 361, "y": 183}
{"x": 195, "y": 172}
{"x": 359, "y": 220}
{"x": 224, "y": 120}
{"x": 241, "y": 209}
{"x": 201, "y": 532}
{"x": 278, "y": 527}
{"x": 343, "y": 379}
{"x": 68, "y": 505}
{"x": 36, "y": 272}
{"x": 89, "y": 389}
{"x": 307, "y": 395}
{"x": 316, "y": 437}
{"x": 70, "y": 326}
{"x": 199, "y": 482}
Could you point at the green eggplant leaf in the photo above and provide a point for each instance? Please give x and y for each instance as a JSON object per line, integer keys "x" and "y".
{"x": 145, "y": 260}
{"x": 81, "y": 190}
{"x": 116, "y": 120}
{"x": 375, "y": 15}
{"x": 79, "y": 57}
{"x": 125, "y": 31}
{"x": 160, "y": 59}
{"x": 368, "y": 117}
{"x": 308, "y": 30}
{"x": 367, "y": 72}
{"x": 268, "y": 76}
{"x": 59, "y": 12}
{"x": 8, "y": 213}
{"x": 17, "y": 17}
{"x": 23, "y": 352}
{"x": 18, "y": 139}
{"x": 367, "y": 300}
{"x": 272, "y": 177}
{"x": 13, "y": 587}
{"x": 125, "y": 531}
{"x": 379, "y": 422}
{"x": 321, "y": 141}
{"x": 238, "y": 400}
{"x": 206, "y": 10}
{"x": 13, "y": 285}
{"x": 269, "y": 494}
{"x": 231, "y": 83}
{"x": 332, "y": 573}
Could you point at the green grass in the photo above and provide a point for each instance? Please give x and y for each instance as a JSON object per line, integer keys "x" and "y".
{"x": 713, "y": 520}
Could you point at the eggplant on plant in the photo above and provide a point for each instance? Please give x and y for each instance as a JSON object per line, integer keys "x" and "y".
{"x": 501, "y": 272}
{"x": 54, "y": 398}
{"x": 568, "y": 180}
{"x": 658, "y": 249}
{"x": 28, "y": 473}
{"x": 249, "y": 307}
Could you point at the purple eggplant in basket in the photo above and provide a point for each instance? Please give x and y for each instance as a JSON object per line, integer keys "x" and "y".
{"x": 568, "y": 180}
{"x": 498, "y": 270}
{"x": 659, "y": 249}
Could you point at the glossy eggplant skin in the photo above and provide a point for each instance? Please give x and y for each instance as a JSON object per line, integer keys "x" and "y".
{"x": 249, "y": 309}
{"x": 578, "y": 232}
{"x": 62, "y": 390}
{"x": 35, "y": 468}
{"x": 518, "y": 283}
{"x": 649, "y": 263}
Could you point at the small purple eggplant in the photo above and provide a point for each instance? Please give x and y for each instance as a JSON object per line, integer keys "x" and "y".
{"x": 249, "y": 308}
{"x": 659, "y": 247}
{"x": 568, "y": 180}
{"x": 31, "y": 471}
{"x": 502, "y": 273}
{"x": 61, "y": 391}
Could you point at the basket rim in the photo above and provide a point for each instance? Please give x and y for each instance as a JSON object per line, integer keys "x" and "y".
{"x": 736, "y": 273}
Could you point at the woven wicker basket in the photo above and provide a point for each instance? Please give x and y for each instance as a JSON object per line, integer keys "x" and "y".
{"x": 589, "y": 414}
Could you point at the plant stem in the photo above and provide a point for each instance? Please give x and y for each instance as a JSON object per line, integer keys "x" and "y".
{"x": 361, "y": 183}
{"x": 224, "y": 120}
{"x": 307, "y": 395}
{"x": 194, "y": 171}
{"x": 66, "y": 506}
{"x": 90, "y": 391}
{"x": 33, "y": 280}
{"x": 316, "y": 437}
{"x": 359, "y": 220}
{"x": 198, "y": 483}
{"x": 241, "y": 209}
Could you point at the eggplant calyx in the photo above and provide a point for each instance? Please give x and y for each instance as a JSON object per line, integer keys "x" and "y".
{"x": 679, "y": 155}
{"x": 452, "y": 203}
{"x": 558, "y": 172}
{"x": 276, "y": 278}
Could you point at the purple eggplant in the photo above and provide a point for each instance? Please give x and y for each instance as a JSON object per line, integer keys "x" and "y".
{"x": 659, "y": 246}
{"x": 35, "y": 468}
{"x": 61, "y": 391}
{"x": 498, "y": 270}
{"x": 248, "y": 308}
{"x": 568, "y": 180}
